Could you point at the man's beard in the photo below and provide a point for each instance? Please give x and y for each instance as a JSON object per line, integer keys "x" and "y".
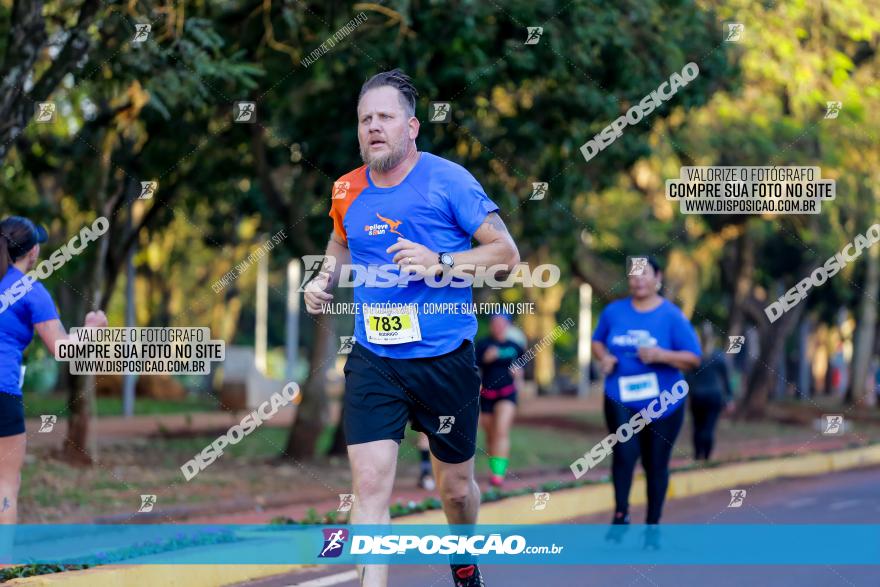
{"x": 383, "y": 163}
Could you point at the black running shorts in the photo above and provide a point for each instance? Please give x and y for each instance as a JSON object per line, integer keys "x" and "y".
{"x": 440, "y": 396}
{"x": 11, "y": 414}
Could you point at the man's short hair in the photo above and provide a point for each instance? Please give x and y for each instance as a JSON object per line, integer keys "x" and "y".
{"x": 397, "y": 80}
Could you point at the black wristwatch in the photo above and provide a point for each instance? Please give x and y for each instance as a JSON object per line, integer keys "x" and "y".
{"x": 446, "y": 259}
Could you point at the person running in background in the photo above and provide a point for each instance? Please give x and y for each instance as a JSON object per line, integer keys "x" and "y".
{"x": 495, "y": 355}
{"x": 426, "y": 478}
{"x": 33, "y": 311}
{"x": 710, "y": 393}
{"x": 642, "y": 343}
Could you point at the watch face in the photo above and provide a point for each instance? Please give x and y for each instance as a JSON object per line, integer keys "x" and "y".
{"x": 446, "y": 259}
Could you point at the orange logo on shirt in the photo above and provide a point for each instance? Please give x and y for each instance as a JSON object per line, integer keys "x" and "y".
{"x": 389, "y": 225}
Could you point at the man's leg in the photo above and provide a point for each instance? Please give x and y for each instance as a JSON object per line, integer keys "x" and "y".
{"x": 446, "y": 405}
{"x": 461, "y": 503}
{"x": 373, "y": 465}
{"x": 458, "y": 490}
{"x": 376, "y": 411}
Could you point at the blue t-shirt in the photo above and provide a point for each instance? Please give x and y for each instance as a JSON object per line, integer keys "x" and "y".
{"x": 439, "y": 205}
{"x": 623, "y": 329}
{"x": 17, "y": 320}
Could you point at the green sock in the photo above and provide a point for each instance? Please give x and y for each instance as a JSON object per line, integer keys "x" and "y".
{"x": 498, "y": 465}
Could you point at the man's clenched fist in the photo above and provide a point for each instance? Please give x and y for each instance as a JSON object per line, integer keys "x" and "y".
{"x": 316, "y": 293}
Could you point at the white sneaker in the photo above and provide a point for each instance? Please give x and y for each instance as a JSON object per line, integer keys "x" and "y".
{"x": 426, "y": 481}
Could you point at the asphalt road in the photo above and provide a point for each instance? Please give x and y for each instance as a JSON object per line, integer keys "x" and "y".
{"x": 850, "y": 497}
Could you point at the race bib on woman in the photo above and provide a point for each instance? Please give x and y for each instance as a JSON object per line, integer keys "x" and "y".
{"x": 638, "y": 387}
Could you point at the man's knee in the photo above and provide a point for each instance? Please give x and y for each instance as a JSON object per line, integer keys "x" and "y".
{"x": 371, "y": 485}
{"x": 457, "y": 488}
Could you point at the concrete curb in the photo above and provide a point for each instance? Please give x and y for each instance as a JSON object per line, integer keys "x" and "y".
{"x": 564, "y": 504}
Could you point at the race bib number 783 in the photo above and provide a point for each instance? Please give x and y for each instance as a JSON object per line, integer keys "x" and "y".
{"x": 391, "y": 325}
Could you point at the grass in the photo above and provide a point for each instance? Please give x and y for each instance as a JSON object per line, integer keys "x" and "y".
{"x": 728, "y": 430}
{"x": 263, "y": 442}
{"x": 37, "y": 404}
{"x": 530, "y": 448}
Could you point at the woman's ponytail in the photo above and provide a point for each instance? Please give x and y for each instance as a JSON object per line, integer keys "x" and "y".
{"x": 17, "y": 236}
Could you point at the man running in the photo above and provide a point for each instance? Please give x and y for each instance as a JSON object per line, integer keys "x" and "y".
{"x": 420, "y": 212}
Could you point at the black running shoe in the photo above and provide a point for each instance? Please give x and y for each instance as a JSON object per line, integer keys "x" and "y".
{"x": 467, "y": 576}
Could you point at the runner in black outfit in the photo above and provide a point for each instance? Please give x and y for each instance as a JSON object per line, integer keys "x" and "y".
{"x": 709, "y": 394}
{"x": 495, "y": 355}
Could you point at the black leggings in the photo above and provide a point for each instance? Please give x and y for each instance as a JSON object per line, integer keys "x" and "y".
{"x": 654, "y": 444}
{"x": 705, "y": 411}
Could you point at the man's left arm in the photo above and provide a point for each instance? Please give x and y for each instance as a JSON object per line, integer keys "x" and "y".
{"x": 496, "y": 247}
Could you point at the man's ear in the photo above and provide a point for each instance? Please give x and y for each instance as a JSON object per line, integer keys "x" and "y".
{"x": 413, "y": 128}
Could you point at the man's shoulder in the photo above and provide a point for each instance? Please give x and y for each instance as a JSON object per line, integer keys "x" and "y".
{"x": 444, "y": 167}
{"x": 355, "y": 175}
{"x": 347, "y": 187}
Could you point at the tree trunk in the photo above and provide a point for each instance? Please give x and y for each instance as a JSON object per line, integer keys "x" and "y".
{"x": 742, "y": 283}
{"x": 764, "y": 375}
{"x": 313, "y": 414}
{"x": 339, "y": 446}
{"x": 543, "y": 321}
{"x": 864, "y": 335}
{"x": 81, "y": 446}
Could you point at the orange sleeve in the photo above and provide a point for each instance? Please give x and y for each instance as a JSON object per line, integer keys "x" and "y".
{"x": 337, "y": 213}
{"x": 345, "y": 190}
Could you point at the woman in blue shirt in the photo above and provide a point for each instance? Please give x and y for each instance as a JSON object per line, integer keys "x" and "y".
{"x": 25, "y": 306}
{"x": 642, "y": 343}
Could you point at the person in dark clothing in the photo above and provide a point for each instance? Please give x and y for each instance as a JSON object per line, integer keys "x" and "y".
{"x": 710, "y": 394}
{"x": 496, "y": 356}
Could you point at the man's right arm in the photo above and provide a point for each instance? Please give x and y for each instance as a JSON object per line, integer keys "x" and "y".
{"x": 317, "y": 291}
{"x": 338, "y": 250}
